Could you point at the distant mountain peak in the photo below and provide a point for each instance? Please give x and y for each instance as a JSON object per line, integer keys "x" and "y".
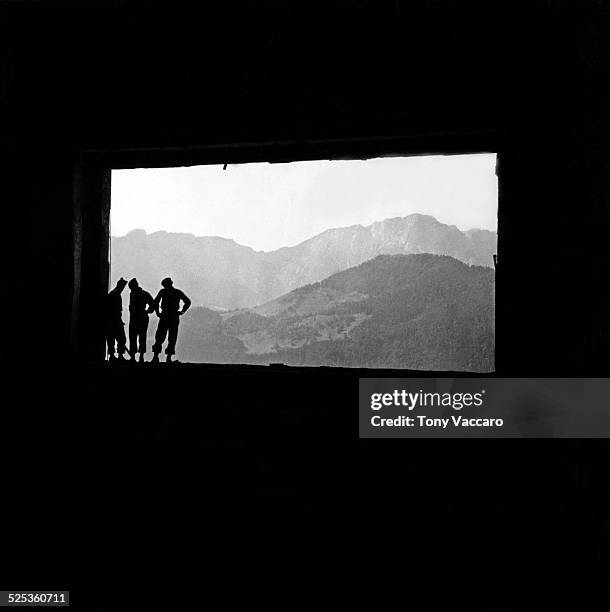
{"x": 219, "y": 271}
{"x": 138, "y": 232}
{"x": 411, "y": 216}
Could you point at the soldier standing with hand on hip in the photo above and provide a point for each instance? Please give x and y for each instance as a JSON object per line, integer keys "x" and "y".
{"x": 167, "y": 307}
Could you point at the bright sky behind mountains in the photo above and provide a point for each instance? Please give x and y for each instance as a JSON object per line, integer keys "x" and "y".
{"x": 267, "y": 206}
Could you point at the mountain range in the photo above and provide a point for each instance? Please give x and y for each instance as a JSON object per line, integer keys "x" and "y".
{"x": 418, "y": 311}
{"x": 220, "y": 274}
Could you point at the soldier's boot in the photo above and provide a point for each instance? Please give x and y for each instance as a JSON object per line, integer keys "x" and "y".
{"x": 141, "y": 360}
{"x": 155, "y": 358}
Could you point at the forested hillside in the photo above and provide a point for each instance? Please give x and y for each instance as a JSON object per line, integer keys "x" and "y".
{"x": 395, "y": 311}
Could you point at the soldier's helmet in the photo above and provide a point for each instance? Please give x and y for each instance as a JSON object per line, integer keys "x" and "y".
{"x": 167, "y": 282}
{"x": 133, "y": 283}
{"x": 121, "y": 283}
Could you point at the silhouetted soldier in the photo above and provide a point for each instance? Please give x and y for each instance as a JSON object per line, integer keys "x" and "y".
{"x": 167, "y": 307}
{"x": 140, "y": 304}
{"x": 114, "y": 326}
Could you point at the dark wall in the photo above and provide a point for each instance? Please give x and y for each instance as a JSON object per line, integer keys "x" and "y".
{"x": 136, "y": 83}
{"x": 121, "y": 461}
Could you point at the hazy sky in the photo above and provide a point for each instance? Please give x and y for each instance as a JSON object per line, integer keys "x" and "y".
{"x": 267, "y": 206}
